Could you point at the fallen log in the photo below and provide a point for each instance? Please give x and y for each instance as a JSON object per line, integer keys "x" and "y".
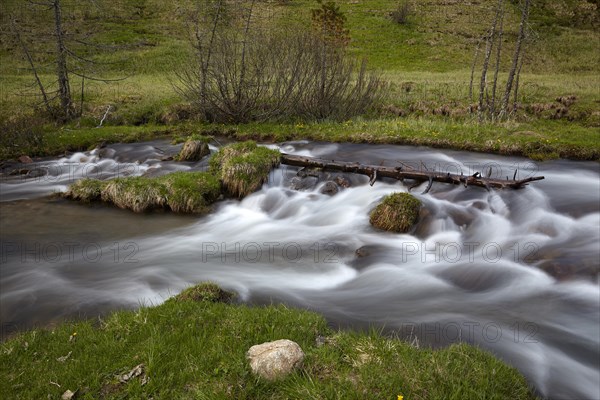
{"x": 377, "y": 171}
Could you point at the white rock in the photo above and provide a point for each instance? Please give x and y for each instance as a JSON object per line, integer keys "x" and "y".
{"x": 273, "y": 360}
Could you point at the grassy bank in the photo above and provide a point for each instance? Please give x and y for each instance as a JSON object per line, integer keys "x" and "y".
{"x": 39, "y": 141}
{"x": 539, "y": 140}
{"x": 194, "y": 347}
{"x": 425, "y": 61}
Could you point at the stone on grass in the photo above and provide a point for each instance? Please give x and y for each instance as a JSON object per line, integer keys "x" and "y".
{"x": 275, "y": 360}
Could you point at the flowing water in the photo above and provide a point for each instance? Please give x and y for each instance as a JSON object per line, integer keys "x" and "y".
{"x": 515, "y": 272}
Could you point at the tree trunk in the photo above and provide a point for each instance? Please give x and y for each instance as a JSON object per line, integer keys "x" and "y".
{"x": 477, "y": 46}
{"x": 64, "y": 88}
{"x": 486, "y": 61}
{"x": 515, "y": 102}
{"x": 515, "y": 60}
{"x": 498, "y": 55}
{"x": 374, "y": 172}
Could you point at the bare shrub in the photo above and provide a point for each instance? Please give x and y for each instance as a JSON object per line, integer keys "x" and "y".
{"x": 339, "y": 88}
{"x": 241, "y": 73}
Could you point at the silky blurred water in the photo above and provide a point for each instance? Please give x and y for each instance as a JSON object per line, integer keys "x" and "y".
{"x": 515, "y": 272}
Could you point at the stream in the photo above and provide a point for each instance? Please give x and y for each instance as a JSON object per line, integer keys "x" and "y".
{"x": 515, "y": 272}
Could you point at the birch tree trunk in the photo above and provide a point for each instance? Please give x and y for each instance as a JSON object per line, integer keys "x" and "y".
{"x": 515, "y": 60}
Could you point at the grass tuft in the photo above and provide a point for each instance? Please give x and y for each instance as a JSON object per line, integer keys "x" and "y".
{"x": 191, "y": 192}
{"x": 244, "y": 167}
{"x": 183, "y": 192}
{"x": 398, "y": 212}
{"x": 86, "y": 190}
{"x": 138, "y": 194}
{"x": 206, "y": 291}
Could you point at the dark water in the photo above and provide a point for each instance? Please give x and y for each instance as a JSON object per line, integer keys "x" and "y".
{"x": 515, "y": 272}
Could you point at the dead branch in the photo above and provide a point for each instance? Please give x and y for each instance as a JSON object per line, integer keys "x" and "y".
{"x": 105, "y": 115}
{"x": 375, "y": 171}
{"x": 32, "y": 65}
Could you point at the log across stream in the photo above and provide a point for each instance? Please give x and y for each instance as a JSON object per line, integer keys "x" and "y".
{"x": 403, "y": 171}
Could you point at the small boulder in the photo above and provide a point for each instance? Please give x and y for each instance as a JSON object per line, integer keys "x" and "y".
{"x": 330, "y": 188}
{"x": 25, "y": 159}
{"x": 342, "y": 181}
{"x": 306, "y": 183}
{"x": 193, "y": 150}
{"x": 274, "y": 360}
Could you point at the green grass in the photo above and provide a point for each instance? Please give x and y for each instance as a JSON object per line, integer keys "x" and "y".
{"x": 182, "y": 192}
{"x": 541, "y": 139}
{"x": 243, "y": 167}
{"x": 538, "y": 138}
{"x": 86, "y": 190}
{"x": 191, "y": 192}
{"x": 196, "y": 349}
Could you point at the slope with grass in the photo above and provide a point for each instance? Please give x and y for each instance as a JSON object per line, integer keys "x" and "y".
{"x": 426, "y": 62}
{"x": 194, "y": 346}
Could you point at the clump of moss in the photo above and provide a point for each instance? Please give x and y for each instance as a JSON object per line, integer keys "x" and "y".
{"x": 398, "y": 212}
{"x": 137, "y": 193}
{"x": 207, "y": 292}
{"x": 191, "y": 192}
{"x": 86, "y": 190}
{"x": 243, "y": 167}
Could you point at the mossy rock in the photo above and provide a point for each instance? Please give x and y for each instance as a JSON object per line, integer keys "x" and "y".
{"x": 243, "y": 167}
{"x": 206, "y": 292}
{"x": 86, "y": 190}
{"x": 193, "y": 150}
{"x": 398, "y": 212}
{"x": 191, "y": 192}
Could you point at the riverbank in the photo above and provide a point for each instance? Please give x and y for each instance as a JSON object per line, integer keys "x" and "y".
{"x": 539, "y": 140}
{"x": 194, "y": 347}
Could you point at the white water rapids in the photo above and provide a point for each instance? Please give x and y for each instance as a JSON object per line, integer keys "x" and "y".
{"x": 515, "y": 272}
